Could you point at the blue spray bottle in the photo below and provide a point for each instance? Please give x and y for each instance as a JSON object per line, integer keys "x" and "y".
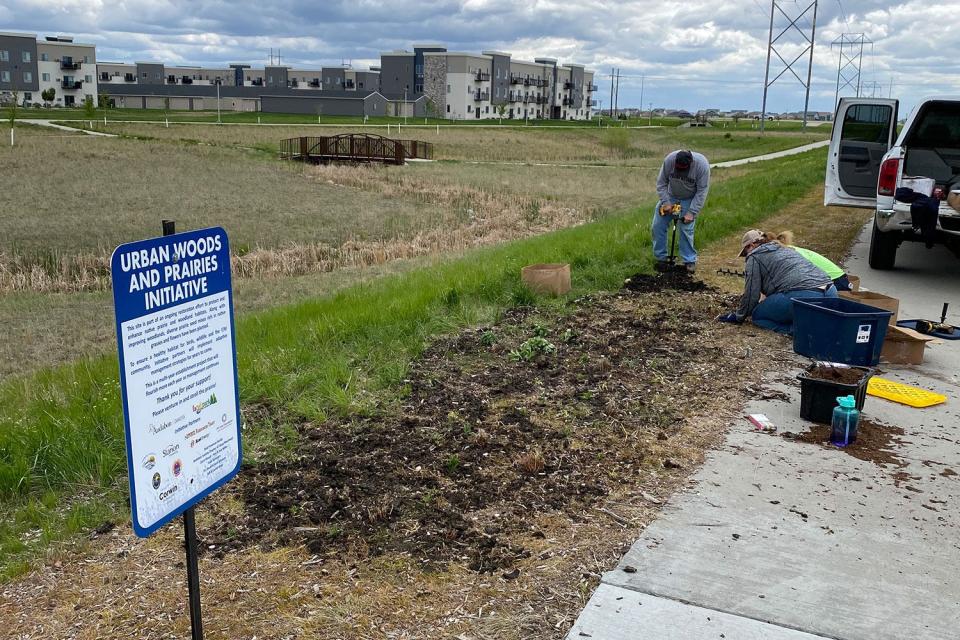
{"x": 846, "y": 418}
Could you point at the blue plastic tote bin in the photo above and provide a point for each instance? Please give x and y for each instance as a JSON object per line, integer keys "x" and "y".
{"x": 839, "y": 330}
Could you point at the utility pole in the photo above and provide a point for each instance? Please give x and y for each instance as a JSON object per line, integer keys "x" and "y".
{"x": 642, "y": 78}
{"x": 649, "y": 113}
{"x": 807, "y": 41}
{"x": 849, "y": 62}
{"x": 617, "y": 93}
{"x": 612, "y": 70}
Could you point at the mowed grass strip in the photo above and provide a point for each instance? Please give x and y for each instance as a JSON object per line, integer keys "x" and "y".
{"x": 61, "y": 439}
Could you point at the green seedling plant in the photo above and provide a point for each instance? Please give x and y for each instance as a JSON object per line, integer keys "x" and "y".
{"x": 532, "y": 348}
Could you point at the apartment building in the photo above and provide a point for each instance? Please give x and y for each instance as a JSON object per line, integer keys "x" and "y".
{"x": 63, "y": 69}
{"x": 491, "y": 84}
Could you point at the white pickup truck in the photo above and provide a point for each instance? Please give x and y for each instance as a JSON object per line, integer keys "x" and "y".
{"x": 868, "y": 161}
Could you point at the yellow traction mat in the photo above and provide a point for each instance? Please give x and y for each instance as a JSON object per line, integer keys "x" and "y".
{"x": 903, "y": 393}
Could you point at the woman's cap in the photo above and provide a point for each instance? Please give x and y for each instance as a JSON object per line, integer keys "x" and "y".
{"x": 749, "y": 238}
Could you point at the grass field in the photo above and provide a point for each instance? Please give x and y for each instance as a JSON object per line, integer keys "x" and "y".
{"x": 617, "y": 146}
{"x": 61, "y": 455}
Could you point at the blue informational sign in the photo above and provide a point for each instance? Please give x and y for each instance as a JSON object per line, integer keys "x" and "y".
{"x": 175, "y": 335}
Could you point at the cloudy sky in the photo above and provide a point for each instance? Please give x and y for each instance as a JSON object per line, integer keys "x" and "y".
{"x": 690, "y": 54}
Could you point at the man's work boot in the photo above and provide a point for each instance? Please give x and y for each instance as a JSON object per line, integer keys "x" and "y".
{"x": 661, "y": 266}
{"x": 691, "y": 267}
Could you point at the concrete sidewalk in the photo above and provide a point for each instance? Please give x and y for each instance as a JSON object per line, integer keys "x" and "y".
{"x": 779, "y": 539}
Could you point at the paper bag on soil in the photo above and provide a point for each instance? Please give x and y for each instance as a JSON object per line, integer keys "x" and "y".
{"x": 547, "y": 278}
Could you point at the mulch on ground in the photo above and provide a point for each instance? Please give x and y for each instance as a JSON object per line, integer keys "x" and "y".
{"x": 489, "y": 437}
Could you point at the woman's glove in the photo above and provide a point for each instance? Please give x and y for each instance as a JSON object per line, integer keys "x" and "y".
{"x": 728, "y": 317}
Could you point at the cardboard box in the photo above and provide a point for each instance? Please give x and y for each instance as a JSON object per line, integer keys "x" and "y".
{"x": 547, "y": 278}
{"x": 874, "y": 299}
{"x": 854, "y": 281}
{"x": 904, "y": 346}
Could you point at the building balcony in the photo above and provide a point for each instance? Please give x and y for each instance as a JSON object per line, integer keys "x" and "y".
{"x": 104, "y": 77}
{"x": 568, "y": 102}
{"x": 516, "y": 80}
{"x": 171, "y": 79}
{"x": 71, "y": 84}
{"x": 592, "y": 103}
{"x": 186, "y": 80}
{"x": 315, "y": 83}
{"x": 479, "y": 96}
{"x": 348, "y": 84}
{"x": 591, "y": 87}
{"x": 67, "y": 64}
{"x": 567, "y": 86}
{"x": 129, "y": 77}
{"x": 481, "y": 76}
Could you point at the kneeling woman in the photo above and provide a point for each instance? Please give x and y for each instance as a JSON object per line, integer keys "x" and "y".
{"x": 782, "y": 275}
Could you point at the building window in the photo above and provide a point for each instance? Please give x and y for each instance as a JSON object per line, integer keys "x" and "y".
{"x": 4, "y": 56}
{"x": 361, "y": 85}
{"x": 86, "y": 59}
{"x": 4, "y": 76}
{"x": 26, "y": 56}
{"x": 488, "y": 108}
{"x": 159, "y": 75}
{"x": 45, "y": 77}
{"x": 88, "y": 78}
{"x": 28, "y": 97}
{"x": 27, "y": 76}
{"x": 144, "y": 75}
{"x": 448, "y": 88}
{"x": 448, "y": 108}
{"x": 44, "y": 57}
{"x": 468, "y": 108}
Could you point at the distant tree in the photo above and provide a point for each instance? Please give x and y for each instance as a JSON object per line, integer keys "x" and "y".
{"x": 104, "y": 100}
{"x": 12, "y": 114}
{"x": 736, "y": 120}
{"x": 49, "y": 95}
{"x": 431, "y": 108}
{"x": 89, "y": 109}
{"x": 501, "y": 110}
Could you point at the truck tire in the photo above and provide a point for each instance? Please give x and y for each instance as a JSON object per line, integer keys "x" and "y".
{"x": 883, "y": 249}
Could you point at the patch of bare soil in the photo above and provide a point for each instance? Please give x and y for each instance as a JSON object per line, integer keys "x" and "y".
{"x": 876, "y": 442}
{"x": 534, "y": 415}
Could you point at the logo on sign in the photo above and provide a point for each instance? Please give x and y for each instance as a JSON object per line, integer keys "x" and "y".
{"x": 863, "y": 334}
{"x": 197, "y": 408}
{"x": 166, "y": 493}
{"x": 157, "y": 428}
{"x": 172, "y": 449}
{"x": 149, "y": 461}
{"x": 156, "y": 480}
{"x": 177, "y": 468}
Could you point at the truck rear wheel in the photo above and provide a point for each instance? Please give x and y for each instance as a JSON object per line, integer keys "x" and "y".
{"x": 883, "y": 248}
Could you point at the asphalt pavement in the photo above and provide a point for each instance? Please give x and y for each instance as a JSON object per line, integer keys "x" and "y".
{"x": 784, "y": 540}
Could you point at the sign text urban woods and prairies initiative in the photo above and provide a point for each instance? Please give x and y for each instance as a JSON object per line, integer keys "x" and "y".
{"x": 175, "y": 336}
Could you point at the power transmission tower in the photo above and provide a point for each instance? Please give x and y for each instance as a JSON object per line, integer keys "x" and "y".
{"x": 808, "y": 38}
{"x": 873, "y": 88}
{"x": 849, "y": 62}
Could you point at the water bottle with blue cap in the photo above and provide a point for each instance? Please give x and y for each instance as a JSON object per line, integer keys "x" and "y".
{"x": 845, "y": 421}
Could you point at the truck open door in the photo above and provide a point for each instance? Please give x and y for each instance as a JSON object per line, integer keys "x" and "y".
{"x": 864, "y": 129}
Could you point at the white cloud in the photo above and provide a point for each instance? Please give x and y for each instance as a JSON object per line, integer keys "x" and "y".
{"x": 691, "y": 54}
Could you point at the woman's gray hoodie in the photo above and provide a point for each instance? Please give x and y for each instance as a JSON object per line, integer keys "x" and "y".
{"x": 771, "y": 268}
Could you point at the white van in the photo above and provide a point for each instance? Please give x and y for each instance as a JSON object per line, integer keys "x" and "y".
{"x": 868, "y": 161}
